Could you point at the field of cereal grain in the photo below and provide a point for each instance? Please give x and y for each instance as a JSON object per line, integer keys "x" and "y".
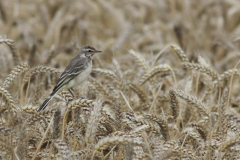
{"x": 166, "y": 85}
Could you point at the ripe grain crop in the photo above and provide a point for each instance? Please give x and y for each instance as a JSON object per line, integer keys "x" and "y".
{"x": 166, "y": 85}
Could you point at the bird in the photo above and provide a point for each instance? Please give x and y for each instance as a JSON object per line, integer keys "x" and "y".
{"x": 75, "y": 73}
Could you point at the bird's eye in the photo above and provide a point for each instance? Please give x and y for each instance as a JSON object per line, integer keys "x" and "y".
{"x": 90, "y": 51}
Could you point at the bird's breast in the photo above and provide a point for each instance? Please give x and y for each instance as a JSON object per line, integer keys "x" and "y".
{"x": 81, "y": 77}
{"x": 84, "y": 74}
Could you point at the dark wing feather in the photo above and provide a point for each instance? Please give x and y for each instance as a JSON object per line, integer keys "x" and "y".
{"x": 75, "y": 67}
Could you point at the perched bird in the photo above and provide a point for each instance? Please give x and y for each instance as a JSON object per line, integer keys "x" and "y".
{"x": 74, "y": 74}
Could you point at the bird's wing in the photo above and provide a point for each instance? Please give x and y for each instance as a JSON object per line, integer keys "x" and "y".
{"x": 74, "y": 68}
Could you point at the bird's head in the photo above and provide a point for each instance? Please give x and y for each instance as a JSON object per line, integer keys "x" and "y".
{"x": 89, "y": 51}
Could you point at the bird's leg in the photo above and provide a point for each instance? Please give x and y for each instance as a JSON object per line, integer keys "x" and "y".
{"x": 70, "y": 90}
{"x": 82, "y": 97}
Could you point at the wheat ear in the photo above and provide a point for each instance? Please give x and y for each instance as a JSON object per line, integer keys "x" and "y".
{"x": 226, "y": 75}
{"x": 139, "y": 59}
{"x": 108, "y": 73}
{"x": 40, "y": 155}
{"x": 82, "y": 102}
{"x": 7, "y": 131}
{"x": 193, "y": 100}
{"x": 66, "y": 95}
{"x": 79, "y": 153}
{"x": 174, "y": 104}
{"x": 10, "y": 43}
{"x": 225, "y": 145}
{"x": 162, "y": 124}
{"x": 179, "y": 52}
{"x": 108, "y": 141}
{"x": 39, "y": 69}
{"x": 56, "y": 125}
{"x": 99, "y": 87}
{"x": 14, "y": 73}
{"x": 202, "y": 69}
{"x": 157, "y": 69}
{"x": 202, "y": 130}
{"x": 6, "y": 95}
{"x": 138, "y": 91}
{"x": 176, "y": 49}
{"x": 63, "y": 149}
{"x": 152, "y": 127}
{"x": 30, "y": 109}
{"x": 39, "y": 115}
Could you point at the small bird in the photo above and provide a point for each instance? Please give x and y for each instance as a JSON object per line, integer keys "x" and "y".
{"x": 74, "y": 74}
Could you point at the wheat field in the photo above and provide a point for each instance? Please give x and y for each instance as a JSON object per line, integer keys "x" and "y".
{"x": 166, "y": 85}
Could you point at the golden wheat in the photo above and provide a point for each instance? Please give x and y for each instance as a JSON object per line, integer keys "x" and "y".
{"x": 14, "y": 73}
{"x": 108, "y": 141}
{"x": 9, "y": 99}
{"x": 193, "y": 101}
{"x": 202, "y": 69}
{"x": 39, "y": 69}
{"x": 132, "y": 108}
{"x": 12, "y": 47}
{"x": 158, "y": 69}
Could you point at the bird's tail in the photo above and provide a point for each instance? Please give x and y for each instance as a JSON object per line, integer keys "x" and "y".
{"x": 47, "y": 101}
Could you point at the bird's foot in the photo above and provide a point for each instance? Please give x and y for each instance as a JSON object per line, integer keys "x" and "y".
{"x": 82, "y": 97}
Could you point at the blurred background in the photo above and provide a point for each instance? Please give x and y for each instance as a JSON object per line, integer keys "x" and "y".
{"x": 58, "y": 27}
{"x": 50, "y": 32}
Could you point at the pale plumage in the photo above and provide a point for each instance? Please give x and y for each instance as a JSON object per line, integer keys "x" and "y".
{"x": 74, "y": 74}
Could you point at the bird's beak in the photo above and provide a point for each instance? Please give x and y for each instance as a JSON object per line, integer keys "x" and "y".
{"x": 97, "y": 52}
